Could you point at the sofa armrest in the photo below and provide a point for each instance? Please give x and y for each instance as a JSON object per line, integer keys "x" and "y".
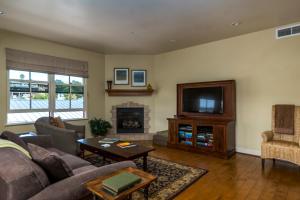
{"x": 74, "y": 187}
{"x": 77, "y": 128}
{"x": 45, "y": 141}
{"x": 267, "y": 136}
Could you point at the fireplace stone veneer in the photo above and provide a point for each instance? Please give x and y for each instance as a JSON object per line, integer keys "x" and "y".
{"x": 145, "y": 135}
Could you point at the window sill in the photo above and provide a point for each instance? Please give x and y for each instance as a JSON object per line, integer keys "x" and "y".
{"x": 31, "y": 123}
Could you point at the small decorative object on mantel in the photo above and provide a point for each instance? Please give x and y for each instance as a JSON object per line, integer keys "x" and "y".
{"x": 99, "y": 127}
{"x": 121, "y": 76}
{"x": 149, "y": 87}
{"x": 138, "y": 78}
{"x": 109, "y": 83}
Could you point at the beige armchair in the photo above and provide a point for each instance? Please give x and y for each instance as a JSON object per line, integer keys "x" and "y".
{"x": 282, "y": 146}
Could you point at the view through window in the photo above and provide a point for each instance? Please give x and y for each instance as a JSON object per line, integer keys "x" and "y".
{"x": 31, "y": 96}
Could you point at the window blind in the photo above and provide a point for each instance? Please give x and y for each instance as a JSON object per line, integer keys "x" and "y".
{"x": 23, "y": 60}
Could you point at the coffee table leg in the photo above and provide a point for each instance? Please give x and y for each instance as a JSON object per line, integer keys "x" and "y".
{"x": 146, "y": 190}
{"x": 145, "y": 162}
{"x": 82, "y": 154}
{"x": 95, "y": 197}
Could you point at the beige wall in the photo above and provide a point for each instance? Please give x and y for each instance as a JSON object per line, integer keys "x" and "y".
{"x": 266, "y": 71}
{"x": 96, "y": 72}
{"x": 132, "y": 62}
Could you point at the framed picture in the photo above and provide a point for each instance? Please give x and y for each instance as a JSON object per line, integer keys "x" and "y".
{"x": 138, "y": 78}
{"x": 121, "y": 76}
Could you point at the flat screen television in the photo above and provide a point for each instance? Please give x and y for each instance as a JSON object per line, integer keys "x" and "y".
{"x": 203, "y": 100}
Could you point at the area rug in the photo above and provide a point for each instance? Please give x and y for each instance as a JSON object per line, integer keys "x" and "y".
{"x": 172, "y": 178}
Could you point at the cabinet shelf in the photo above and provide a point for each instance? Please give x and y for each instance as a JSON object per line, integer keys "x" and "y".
{"x": 129, "y": 92}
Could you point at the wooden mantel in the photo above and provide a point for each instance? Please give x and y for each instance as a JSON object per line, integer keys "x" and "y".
{"x": 129, "y": 92}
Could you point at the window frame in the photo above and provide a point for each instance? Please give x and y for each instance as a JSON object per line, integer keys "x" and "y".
{"x": 51, "y": 99}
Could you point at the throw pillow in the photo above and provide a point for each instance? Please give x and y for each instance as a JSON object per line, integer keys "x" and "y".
{"x": 55, "y": 167}
{"x": 57, "y": 121}
{"x": 13, "y": 137}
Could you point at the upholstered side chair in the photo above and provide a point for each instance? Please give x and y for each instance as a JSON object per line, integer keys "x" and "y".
{"x": 64, "y": 139}
{"x": 282, "y": 146}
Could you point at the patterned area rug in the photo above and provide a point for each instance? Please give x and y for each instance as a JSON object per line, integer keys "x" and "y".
{"x": 172, "y": 178}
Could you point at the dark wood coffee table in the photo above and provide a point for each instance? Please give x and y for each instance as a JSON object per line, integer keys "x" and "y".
{"x": 114, "y": 152}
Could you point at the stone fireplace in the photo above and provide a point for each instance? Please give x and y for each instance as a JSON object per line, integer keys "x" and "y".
{"x": 131, "y": 121}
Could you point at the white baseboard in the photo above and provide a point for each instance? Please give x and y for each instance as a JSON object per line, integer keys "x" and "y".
{"x": 248, "y": 151}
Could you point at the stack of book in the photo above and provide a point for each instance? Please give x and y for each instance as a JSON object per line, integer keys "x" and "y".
{"x": 117, "y": 184}
{"x": 185, "y": 134}
{"x": 108, "y": 140}
{"x": 205, "y": 137}
{"x": 125, "y": 145}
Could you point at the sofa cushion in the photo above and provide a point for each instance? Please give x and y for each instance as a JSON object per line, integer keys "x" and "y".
{"x": 20, "y": 178}
{"x": 53, "y": 164}
{"x": 74, "y": 162}
{"x": 13, "y": 137}
{"x": 55, "y": 150}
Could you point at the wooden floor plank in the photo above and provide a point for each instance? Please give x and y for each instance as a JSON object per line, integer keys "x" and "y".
{"x": 241, "y": 177}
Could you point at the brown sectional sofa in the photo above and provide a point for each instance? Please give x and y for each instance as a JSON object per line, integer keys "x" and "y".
{"x": 21, "y": 178}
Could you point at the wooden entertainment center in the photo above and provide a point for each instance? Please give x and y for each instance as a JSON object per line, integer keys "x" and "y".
{"x": 204, "y": 132}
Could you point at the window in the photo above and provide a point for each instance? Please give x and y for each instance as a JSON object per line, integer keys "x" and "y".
{"x": 69, "y": 96}
{"x": 31, "y": 96}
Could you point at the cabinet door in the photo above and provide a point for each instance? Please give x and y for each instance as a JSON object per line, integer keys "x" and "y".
{"x": 219, "y": 139}
{"x": 172, "y": 132}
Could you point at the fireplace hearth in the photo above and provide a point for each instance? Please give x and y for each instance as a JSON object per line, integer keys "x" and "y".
{"x": 130, "y": 120}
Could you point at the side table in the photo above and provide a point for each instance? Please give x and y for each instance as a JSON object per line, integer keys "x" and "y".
{"x": 95, "y": 186}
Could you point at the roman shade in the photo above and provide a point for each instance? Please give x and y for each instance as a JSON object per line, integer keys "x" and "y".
{"x": 23, "y": 60}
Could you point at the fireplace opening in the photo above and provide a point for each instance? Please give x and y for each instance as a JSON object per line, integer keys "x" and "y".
{"x": 130, "y": 120}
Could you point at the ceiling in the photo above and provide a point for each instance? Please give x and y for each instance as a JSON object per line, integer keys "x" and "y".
{"x": 143, "y": 26}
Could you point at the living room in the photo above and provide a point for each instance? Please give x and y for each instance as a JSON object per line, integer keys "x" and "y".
{"x": 233, "y": 44}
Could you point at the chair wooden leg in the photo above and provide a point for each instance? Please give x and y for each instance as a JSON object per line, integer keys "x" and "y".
{"x": 263, "y": 164}
{"x": 273, "y": 161}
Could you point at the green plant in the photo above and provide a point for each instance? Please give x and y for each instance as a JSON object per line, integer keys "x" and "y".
{"x": 99, "y": 126}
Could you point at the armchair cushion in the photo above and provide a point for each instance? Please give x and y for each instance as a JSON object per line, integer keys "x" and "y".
{"x": 267, "y": 136}
{"x": 282, "y": 150}
{"x": 55, "y": 167}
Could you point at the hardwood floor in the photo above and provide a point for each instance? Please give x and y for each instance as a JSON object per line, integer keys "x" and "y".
{"x": 240, "y": 177}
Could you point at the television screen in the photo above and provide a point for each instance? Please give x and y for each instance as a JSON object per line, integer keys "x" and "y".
{"x": 203, "y": 100}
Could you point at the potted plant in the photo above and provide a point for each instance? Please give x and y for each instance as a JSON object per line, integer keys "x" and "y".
{"x": 99, "y": 127}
